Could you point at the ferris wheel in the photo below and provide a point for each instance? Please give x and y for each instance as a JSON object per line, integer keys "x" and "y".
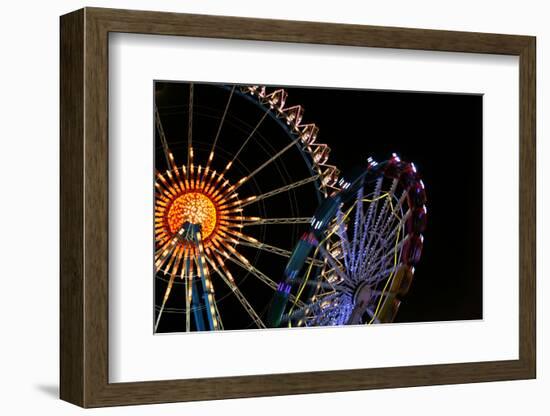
{"x": 370, "y": 235}
{"x": 213, "y": 188}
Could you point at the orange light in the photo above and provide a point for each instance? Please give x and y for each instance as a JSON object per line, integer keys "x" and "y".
{"x": 193, "y": 207}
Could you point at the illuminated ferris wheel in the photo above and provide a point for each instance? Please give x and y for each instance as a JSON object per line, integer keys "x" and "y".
{"x": 213, "y": 194}
{"x": 370, "y": 234}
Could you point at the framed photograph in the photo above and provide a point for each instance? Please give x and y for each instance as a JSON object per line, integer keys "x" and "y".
{"x": 256, "y": 207}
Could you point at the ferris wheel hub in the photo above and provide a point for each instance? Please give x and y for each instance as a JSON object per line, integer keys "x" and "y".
{"x": 200, "y": 196}
{"x": 195, "y": 208}
{"x": 362, "y": 292}
{"x": 361, "y": 299}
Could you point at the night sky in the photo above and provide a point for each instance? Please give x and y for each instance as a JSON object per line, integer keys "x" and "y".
{"x": 440, "y": 133}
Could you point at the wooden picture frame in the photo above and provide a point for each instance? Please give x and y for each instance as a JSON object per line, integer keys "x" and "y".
{"x": 84, "y": 207}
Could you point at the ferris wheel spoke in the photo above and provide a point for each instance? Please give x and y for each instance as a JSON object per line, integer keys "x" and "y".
{"x": 165, "y": 299}
{"x": 167, "y": 154}
{"x": 250, "y": 268}
{"x": 166, "y": 250}
{"x": 236, "y": 254}
{"x": 208, "y": 287}
{"x": 324, "y": 295}
{"x": 386, "y": 258}
{"x": 379, "y": 219}
{"x": 173, "y": 264}
{"x": 213, "y": 149}
{"x": 342, "y": 234}
{"x": 259, "y": 275}
{"x": 237, "y": 237}
{"x": 266, "y": 163}
{"x": 172, "y": 186}
{"x": 383, "y": 244}
{"x": 236, "y": 155}
{"x": 164, "y": 256}
{"x": 273, "y": 221}
{"x": 187, "y": 276}
{"x": 240, "y": 297}
{"x": 286, "y": 188}
{"x": 167, "y": 245}
{"x": 278, "y": 251}
{"x": 379, "y": 256}
{"x": 217, "y": 319}
{"x": 366, "y": 222}
{"x": 391, "y": 218}
{"x": 379, "y": 276}
{"x": 218, "y": 316}
{"x": 315, "y": 283}
{"x": 190, "y": 129}
{"x": 383, "y": 261}
{"x": 356, "y": 225}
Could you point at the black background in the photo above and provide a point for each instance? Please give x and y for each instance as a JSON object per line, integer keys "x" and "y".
{"x": 440, "y": 133}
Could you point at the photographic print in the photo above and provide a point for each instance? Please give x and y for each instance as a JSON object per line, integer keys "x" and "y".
{"x": 292, "y": 207}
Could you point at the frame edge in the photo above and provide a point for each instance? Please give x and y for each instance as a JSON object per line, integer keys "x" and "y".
{"x": 528, "y": 214}
{"x": 72, "y": 298}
